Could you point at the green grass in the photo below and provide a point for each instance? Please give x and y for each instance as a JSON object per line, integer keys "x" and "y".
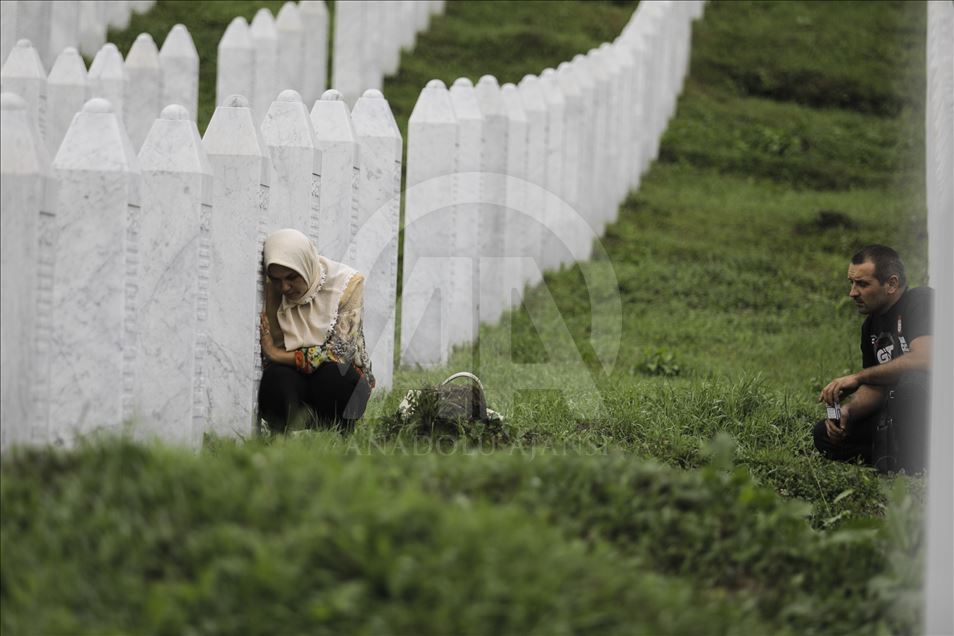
{"x": 657, "y": 475}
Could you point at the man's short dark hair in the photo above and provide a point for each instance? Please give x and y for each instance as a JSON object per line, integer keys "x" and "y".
{"x": 886, "y": 261}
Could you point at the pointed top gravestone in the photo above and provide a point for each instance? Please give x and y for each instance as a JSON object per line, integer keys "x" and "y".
{"x": 518, "y": 223}
{"x": 291, "y": 50}
{"x": 179, "y": 63}
{"x": 492, "y": 229}
{"x": 348, "y": 61}
{"x": 67, "y": 90}
{"x": 429, "y": 230}
{"x": 94, "y": 288}
{"x": 375, "y": 245}
{"x": 264, "y": 36}
{"x": 433, "y": 105}
{"x": 314, "y": 17}
{"x": 296, "y": 164}
{"x": 23, "y": 73}
{"x": 64, "y": 30}
{"x": 241, "y": 174}
{"x": 338, "y": 144}
{"x": 235, "y": 71}
{"x": 92, "y": 26}
{"x": 573, "y": 161}
{"x": 107, "y": 77}
{"x": 8, "y": 28}
{"x": 144, "y": 92}
{"x": 470, "y": 207}
{"x": 555, "y": 251}
{"x": 33, "y": 23}
{"x": 174, "y": 280}
{"x": 535, "y": 108}
{"x": 24, "y": 165}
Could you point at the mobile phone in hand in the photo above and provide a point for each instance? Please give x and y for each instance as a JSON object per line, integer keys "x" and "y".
{"x": 834, "y": 413}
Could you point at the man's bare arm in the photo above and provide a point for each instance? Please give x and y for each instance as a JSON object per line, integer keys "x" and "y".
{"x": 918, "y": 359}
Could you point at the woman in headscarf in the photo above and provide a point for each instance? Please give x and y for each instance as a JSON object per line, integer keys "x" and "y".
{"x": 312, "y": 336}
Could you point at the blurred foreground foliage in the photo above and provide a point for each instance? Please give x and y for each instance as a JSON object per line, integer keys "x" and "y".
{"x": 321, "y": 534}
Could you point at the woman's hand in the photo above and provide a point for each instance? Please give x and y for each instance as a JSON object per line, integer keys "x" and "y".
{"x": 268, "y": 345}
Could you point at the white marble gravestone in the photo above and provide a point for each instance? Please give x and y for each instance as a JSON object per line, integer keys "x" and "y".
{"x": 429, "y": 230}
{"x": 33, "y": 24}
{"x": 536, "y": 111}
{"x": 107, "y": 77}
{"x": 374, "y": 42}
{"x": 555, "y": 252}
{"x": 408, "y": 26}
{"x": 573, "y": 156}
{"x": 95, "y": 272}
{"x": 314, "y": 18}
{"x": 494, "y": 294}
{"x": 469, "y": 206}
{"x": 64, "y": 30}
{"x": 141, "y": 6}
{"x": 145, "y": 90}
{"x": 174, "y": 280}
{"x": 117, "y": 15}
{"x": 601, "y": 134}
{"x": 240, "y": 192}
{"x": 422, "y": 15}
{"x": 348, "y": 64}
{"x": 179, "y": 64}
{"x": 586, "y": 189}
{"x": 655, "y": 44}
{"x": 8, "y": 28}
{"x": 290, "y": 29}
{"x": 632, "y": 65}
{"x": 637, "y": 130}
{"x": 375, "y": 245}
{"x": 392, "y": 18}
{"x": 92, "y": 26}
{"x": 606, "y": 131}
{"x": 338, "y": 144}
{"x": 294, "y": 187}
{"x": 607, "y": 55}
{"x": 24, "y": 171}
{"x": 636, "y": 42}
{"x": 264, "y": 36}
{"x": 235, "y": 71}
{"x": 66, "y": 92}
{"x": 518, "y": 225}
{"x": 23, "y": 74}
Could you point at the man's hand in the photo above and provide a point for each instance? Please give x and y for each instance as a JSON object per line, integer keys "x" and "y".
{"x": 844, "y": 384}
{"x": 837, "y": 431}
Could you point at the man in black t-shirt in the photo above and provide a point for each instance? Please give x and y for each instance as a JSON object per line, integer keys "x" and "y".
{"x": 896, "y": 356}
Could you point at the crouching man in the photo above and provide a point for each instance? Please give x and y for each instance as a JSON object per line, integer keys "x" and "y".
{"x": 885, "y": 422}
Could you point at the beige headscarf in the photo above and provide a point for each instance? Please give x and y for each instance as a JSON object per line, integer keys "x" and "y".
{"x": 307, "y": 321}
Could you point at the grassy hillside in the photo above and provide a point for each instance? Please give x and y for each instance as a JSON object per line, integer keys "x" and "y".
{"x": 656, "y": 474}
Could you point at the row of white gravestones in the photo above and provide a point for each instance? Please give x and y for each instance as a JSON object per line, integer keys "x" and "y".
{"x": 54, "y": 26}
{"x": 939, "y": 137}
{"x": 290, "y": 51}
{"x": 504, "y": 183}
{"x": 369, "y": 37}
{"x": 137, "y": 87}
{"x": 273, "y": 54}
{"x": 158, "y": 258}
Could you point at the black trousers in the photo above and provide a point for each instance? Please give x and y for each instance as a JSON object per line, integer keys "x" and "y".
{"x": 337, "y": 394}
{"x": 910, "y": 409}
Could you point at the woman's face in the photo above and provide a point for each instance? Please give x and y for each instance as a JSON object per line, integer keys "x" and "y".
{"x": 292, "y": 284}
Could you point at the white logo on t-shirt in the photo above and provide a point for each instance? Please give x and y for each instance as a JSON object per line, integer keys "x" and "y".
{"x": 884, "y": 354}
